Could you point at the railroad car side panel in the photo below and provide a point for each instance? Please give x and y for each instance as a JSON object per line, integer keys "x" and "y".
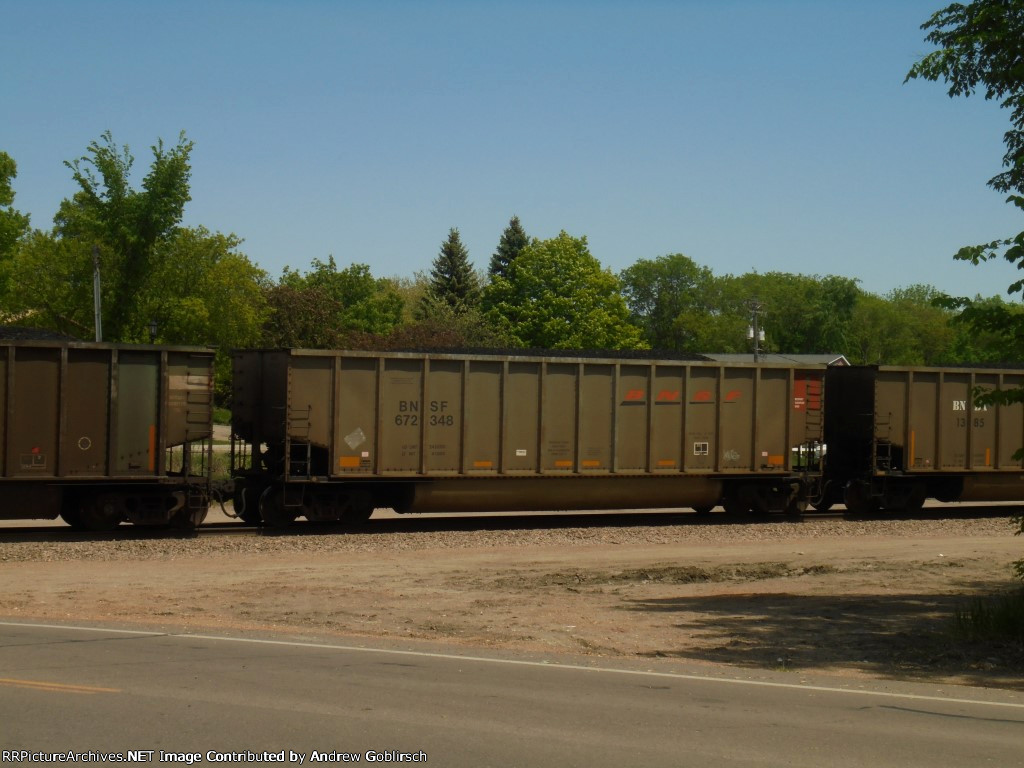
{"x": 246, "y": 400}
{"x": 482, "y": 424}
{"x": 558, "y": 422}
{"x": 701, "y": 420}
{"x": 355, "y": 437}
{"x": 401, "y": 422}
{"x": 774, "y": 413}
{"x": 981, "y": 427}
{"x": 33, "y": 413}
{"x": 272, "y": 412}
{"x": 889, "y": 419}
{"x": 189, "y": 397}
{"x": 521, "y": 450}
{"x": 921, "y": 441}
{"x": 737, "y": 420}
{"x": 442, "y": 416}
{"x": 136, "y": 412}
{"x": 953, "y": 413}
{"x": 87, "y": 413}
{"x": 632, "y": 420}
{"x": 4, "y": 354}
{"x": 666, "y": 444}
{"x": 310, "y": 398}
{"x": 1011, "y": 427}
{"x": 597, "y": 410}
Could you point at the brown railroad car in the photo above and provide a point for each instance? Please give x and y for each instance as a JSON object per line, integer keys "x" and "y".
{"x": 897, "y": 436}
{"x": 331, "y": 435}
{"x": 99, "y": 433}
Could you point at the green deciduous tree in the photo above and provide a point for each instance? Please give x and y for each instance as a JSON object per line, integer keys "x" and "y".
{"x": 447, "y": 328}
{"x": 47, "y": 283}
{"x": 364, "y": 303}
{"x": 511, "y": 244}
{"x": 673, "y": 300}
{"x": 300, "y": 317}
{"x": 803, "y": 314}
{"x": 327, "y": 306}
{"x": 983, "y": 334}
{"x": 557, "y": 296}
{"x": 904, "y": 327}
{"x": 13, "y": 224}
{"x": 203, "y": 288}
{"x": 980, "y": 46}
{"x": 126, "y": 224}
{"x": 194, "y": 284}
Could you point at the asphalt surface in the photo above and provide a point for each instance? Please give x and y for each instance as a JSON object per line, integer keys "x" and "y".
{"x": 221, "y": 699}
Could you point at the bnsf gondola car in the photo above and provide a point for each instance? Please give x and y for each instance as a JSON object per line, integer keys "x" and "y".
{"x": 99, "y": 433}
{"x": 331, "y": 435}
{"x": 897, "y": 436}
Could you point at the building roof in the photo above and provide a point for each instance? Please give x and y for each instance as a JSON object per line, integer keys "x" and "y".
{"x": 775, "y": 357}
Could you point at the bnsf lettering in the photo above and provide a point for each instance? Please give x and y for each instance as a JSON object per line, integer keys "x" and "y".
{"x": 961, "y": 405}
{"x": 409, "y": 406}
{"x": 438, "y": 406}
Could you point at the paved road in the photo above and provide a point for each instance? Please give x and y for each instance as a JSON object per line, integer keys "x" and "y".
{"x": 76, "y": 689}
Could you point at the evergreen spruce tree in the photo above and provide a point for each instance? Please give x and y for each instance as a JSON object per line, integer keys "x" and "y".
{"x": 452, "y": 279}
{"x": 513, "y": 240}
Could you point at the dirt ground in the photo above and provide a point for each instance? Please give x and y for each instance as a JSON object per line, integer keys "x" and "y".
{"x": 863, "y": 602}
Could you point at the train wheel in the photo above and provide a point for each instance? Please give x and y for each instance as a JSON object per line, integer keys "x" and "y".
{"x": 796, "y": 506}
{"x": 72, "y": 517}
{"x": 359, "y": 508}
{"x": 189, "y": 519}
{"x": 735, "y": 506}
{"x": 759, "y": 506}
{"x": 916, "y": 499}
{"x": 823, "y": 506}
{"x": 97, "y": 514}
{"x": 859, "y": 501}
{"x": 755, "y": 499}
{"x": 273, "y": 511}
{"x": 910, "y": 501}
{"x": 246, "y": 503}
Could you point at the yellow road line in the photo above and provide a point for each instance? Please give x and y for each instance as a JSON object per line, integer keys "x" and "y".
{"x": 42, "y": 685}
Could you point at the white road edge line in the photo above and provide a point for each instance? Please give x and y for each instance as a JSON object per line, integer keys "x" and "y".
{"x": 523, "y": 663}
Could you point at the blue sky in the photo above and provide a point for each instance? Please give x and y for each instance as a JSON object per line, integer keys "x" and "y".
{"x": 775, "y": 136}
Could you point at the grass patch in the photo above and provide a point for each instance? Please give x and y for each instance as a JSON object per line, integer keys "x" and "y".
{"x": 221, "y": 416}
{"x": 994, "y": 618}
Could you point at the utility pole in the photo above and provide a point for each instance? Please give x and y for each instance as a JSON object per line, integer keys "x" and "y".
{"x": 98, "y": 316}
{"x": 755, "y": 331}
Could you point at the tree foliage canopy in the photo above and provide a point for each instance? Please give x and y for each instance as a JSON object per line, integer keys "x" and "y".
{"x": 193, "y": 285}
{"x": 558, "y": 296}
{"x": 13, "y": 224}
{"x": 511, "y": 244}
{"x": 669, "y": 298}
{"x": 126, "y": 224}
{"x": 980, "y": 46}
{"x": 326, "y": 306}
{"x": 452, "y": 279}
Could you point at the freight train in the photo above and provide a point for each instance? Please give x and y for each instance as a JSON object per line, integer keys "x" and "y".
{"x": 101, "y": 434}
{"x": 98, "y": 434}
{"x": 333, "y": 435}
